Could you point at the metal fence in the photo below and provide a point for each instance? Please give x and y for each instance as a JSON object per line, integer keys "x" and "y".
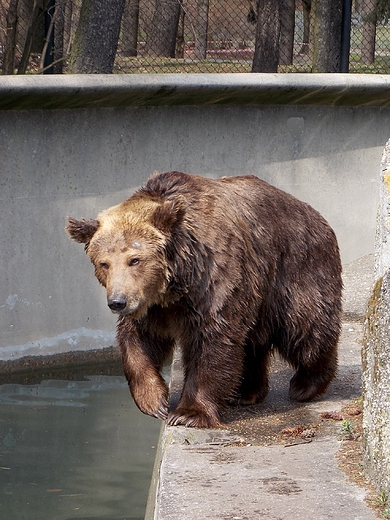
{"x": 183, "y": 36}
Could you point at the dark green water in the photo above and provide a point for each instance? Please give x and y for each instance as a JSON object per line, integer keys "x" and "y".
{"x": 74, "y": 450}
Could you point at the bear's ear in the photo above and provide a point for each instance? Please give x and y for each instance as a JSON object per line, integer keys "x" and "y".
{"x": 81, "y": 230}
{"x": 169, "y": 215}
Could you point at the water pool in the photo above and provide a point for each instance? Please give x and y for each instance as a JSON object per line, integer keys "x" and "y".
{"x": 76, "y": 449}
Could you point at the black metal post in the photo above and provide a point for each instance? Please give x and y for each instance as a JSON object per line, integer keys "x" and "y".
{"x": 345, "y": 36}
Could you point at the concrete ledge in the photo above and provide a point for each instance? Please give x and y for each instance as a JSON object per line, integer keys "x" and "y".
{"x": 95, "y": 90}
{"x": 376, "y": 348}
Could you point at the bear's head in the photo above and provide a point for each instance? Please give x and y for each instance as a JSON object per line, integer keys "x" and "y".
{"x": 127, "y": 246}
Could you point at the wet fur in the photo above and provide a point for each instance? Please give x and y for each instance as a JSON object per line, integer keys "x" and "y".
{"x": 232, "y": 268}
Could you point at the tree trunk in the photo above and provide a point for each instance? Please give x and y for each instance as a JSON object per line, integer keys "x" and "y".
{"x": 180, "y": 39}
{"x": 58, "y": 51}
{"x": 96, "y": 39}
{"x": 358, "y": 6}
{"x": 70, "y": 16}
{"x": 369, "y": 33}
{"x": 130, "y": 21}
{"x": 306, "y": 4}
{"x": 10, "y": 38}
{"x": 287, "y": 26}
{"x": 202, "y": 23}
{"x": 162, "y": 38}
{"x": 326, "y": 37}
{"x": 29, "y": 38}
{"x": 266, "y": 57}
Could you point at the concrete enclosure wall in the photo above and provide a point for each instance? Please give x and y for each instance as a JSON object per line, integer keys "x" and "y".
{"x": 76, "y": 145}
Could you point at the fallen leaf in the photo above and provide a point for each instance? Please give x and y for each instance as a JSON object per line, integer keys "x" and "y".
{"x": 334, "y": 416}
{"x": 297, "y": 430}
{"x": 354, "y": 410}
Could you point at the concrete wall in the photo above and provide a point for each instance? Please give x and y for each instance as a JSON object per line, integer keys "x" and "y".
{"x": 376, "y": 348}
{"x": 74, "y": 145}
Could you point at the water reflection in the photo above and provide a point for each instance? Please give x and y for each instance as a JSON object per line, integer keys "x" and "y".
{"x": 74, "y": 450}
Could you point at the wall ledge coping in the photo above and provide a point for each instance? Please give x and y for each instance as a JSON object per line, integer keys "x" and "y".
{"x": 30, "y": 92}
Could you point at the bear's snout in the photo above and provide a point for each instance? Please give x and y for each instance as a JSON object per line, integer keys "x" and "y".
{"x": 117, "y": 303}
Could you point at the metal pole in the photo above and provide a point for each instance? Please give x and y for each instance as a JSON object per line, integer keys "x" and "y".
{"x": 345, "y": 36}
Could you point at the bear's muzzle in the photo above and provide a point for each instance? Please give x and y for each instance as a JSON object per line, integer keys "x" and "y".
{"x": 117, "y": 303}
{"x": 120, "y": 304}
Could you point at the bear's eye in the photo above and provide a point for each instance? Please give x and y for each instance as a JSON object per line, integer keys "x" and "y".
{"x": 133, "y": 261}
{"x": 104, "y": 265}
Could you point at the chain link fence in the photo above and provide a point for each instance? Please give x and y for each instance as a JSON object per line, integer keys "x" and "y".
{"x": 163, "y": 36}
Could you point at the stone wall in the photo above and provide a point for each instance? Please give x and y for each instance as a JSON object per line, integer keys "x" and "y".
{"x": 376, "y": 348}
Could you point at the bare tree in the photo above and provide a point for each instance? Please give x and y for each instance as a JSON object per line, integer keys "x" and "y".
{"x": 59, "y": 28}
{"x": 202, "y": 23}
{"x": 369, "y": 32}
{"x": 287, "y": 26}
{"x": 326, "y": 37}
{"x": 10, "y": 38}
{"x": 180, "y": 38}
{"x": 382, "y": 11}
{"x": 266, "y": 57}
{"x": 161, "y": 39}
{"x": 96, "y": 38}
{"x": 130, "y": 20}
{"x": 306, "y": 6}
{"x": 32, "y": 25}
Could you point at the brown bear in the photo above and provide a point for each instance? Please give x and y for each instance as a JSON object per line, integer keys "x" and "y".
{"x": 230, "y": 270}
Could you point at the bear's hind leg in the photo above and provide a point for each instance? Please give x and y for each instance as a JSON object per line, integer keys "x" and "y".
{"x": 313, "y": 372}
{"x": 254, "y": 385}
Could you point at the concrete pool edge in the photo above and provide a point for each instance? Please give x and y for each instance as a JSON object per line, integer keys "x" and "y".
{"x": 63, "y": 360}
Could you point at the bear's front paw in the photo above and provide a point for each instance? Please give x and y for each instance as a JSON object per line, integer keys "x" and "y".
{"x": 152, "y": 402}
{"x": 192, "y": 418}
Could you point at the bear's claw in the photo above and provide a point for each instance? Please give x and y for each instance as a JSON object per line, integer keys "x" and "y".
{"x": 192, "y": 419}
{"x": 162, "y": 413}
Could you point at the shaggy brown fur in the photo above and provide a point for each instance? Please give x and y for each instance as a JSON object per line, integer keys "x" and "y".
{"x": 227, "y": 269}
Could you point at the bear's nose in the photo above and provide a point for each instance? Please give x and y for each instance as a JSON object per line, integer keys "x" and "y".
{"x": 117, "y": 303}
